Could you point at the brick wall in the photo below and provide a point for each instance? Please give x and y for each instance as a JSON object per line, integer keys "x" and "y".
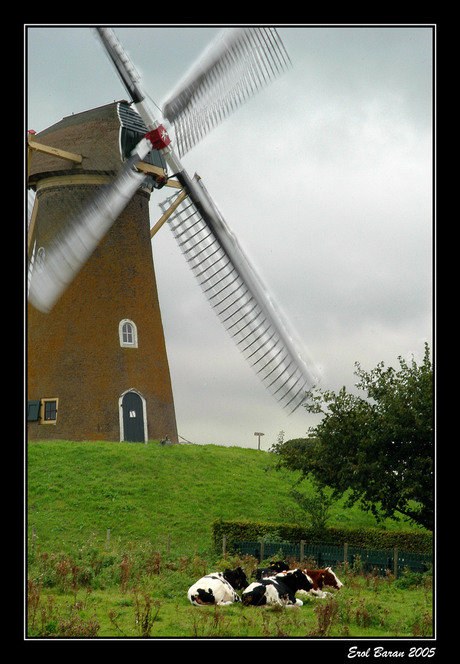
{"x": 74, "y": 352}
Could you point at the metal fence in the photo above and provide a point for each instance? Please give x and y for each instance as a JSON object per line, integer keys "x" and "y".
{"x": 377, "y": 561}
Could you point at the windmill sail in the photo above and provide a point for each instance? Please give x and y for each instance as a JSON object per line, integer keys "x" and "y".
{"x": 239, "y": 299}
{"x": 239, "y": 65}
{"x": 70, "y": 250}
{"x": 212, "y": 251}
{"x": 210, "y": 248}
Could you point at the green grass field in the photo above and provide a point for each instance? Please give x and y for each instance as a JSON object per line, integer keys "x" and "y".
{"x": 159, "y": 504}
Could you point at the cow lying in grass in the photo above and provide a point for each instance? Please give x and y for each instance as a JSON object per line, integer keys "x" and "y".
{"x": 278, "y": 589}
{"x": 274, "y": 568}
{"x": 218, "y": 588}
{"x": 319, "y": 577}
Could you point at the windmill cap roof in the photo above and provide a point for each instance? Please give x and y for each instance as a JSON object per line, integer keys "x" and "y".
{"x": 93, "y": 134}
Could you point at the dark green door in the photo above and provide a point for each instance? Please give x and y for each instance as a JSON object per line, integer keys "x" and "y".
{"x": 133, "y": 418}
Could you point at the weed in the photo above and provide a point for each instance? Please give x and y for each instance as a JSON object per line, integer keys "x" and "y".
{"x": 52, "y": 624}
{"x": 153, "y": 564}
{"x": 209, "y": 621}
{"x": 114, "y": 619}
{"x": 33, "y": 600}
{"x": 198, "y": 566}
{"x": 47, "y": 611}
{"x": 183, "y": 563}
{"x": 326, "y": 613}
{"x": 146, "y": 613}
{"x": 364, "y": 616}
{"x": 126, "y": 565}
{"x": 287, "y": 622}
{"x": 77, "y": 627}
{"x": 423, "y": 625}
{"x": 275, "y": 622}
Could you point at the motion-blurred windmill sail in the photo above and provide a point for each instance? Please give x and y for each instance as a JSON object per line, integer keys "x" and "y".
{"x": 239, "y": 65}
{"x": 70, "y": 250}
{"x": 237, "y": 69}
{"x": 230, "y": 74}
{"x": 240, "y": 301}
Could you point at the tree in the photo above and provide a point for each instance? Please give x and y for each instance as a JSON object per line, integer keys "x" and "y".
{"x": 315, "y": 506}
{"x": 379, "y": 448}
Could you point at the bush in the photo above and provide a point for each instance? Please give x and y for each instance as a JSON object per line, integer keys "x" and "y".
{"x": 372, "y": 538}
{"x": 409, "y": 579}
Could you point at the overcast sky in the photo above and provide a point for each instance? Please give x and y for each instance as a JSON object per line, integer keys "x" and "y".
{"x": 326, "y": 178}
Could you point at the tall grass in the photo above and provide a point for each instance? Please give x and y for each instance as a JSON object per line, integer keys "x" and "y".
{"x": 144, "y": 594}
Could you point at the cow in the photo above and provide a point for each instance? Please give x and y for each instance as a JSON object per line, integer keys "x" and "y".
{"x": 279, "y": 589}
{"x": 320, "y": 578}
{"x": 274, "y": 568}
{"x": 218, "y": 588}
{"x": 324, "y": 577}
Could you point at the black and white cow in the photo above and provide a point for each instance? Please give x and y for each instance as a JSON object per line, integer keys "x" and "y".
{"x": 274, "y": 568}
{"x": 218, "y": 588}
{"x": 278, "y": 589}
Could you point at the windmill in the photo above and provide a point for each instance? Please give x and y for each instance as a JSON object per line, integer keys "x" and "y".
{"x": 75, "y": 265}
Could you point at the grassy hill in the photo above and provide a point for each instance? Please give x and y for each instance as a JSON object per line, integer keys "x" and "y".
{"x": 78, "y": 587}
{"x": 149, "y": 493}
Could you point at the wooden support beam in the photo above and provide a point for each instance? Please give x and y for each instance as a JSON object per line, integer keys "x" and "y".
{"x": 174, "y": 183}
{"x": 55, "y": 152}
{"x": 168, "y": 213}
{"x": 157, "y": 171}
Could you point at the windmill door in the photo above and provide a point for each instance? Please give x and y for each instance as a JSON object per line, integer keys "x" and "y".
{"x": 133, "y": 418}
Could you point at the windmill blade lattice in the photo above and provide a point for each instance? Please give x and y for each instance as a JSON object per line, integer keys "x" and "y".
{"x": 238, "y": 67}
{"x": 236, "y": 295}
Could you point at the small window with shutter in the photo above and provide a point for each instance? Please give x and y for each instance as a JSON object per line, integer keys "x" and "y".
{"x": 49, "y": 411}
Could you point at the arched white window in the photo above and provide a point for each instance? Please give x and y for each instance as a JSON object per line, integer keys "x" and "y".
{"x": 127, "y": 332}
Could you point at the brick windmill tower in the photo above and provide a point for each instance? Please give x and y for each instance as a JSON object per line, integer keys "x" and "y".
{"x": 97, "y": 359}
{"x": 97, "y": 362}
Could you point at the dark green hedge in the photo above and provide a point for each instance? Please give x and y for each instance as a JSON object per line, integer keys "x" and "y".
{"x": 372, "y": 538}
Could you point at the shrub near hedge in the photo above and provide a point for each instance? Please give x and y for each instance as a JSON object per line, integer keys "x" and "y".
{"x": 369, "y": 538}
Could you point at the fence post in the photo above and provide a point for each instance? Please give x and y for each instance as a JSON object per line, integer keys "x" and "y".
{"x": 395, "y": 563}
{"x": 345, "y": 552}
{"x": 302, "y": 550}
{"x": 224, "y": 545}
{"x": 261, "y": 549}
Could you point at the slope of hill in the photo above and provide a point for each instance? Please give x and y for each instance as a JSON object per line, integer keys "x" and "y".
{"x": 150, "y": 493}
